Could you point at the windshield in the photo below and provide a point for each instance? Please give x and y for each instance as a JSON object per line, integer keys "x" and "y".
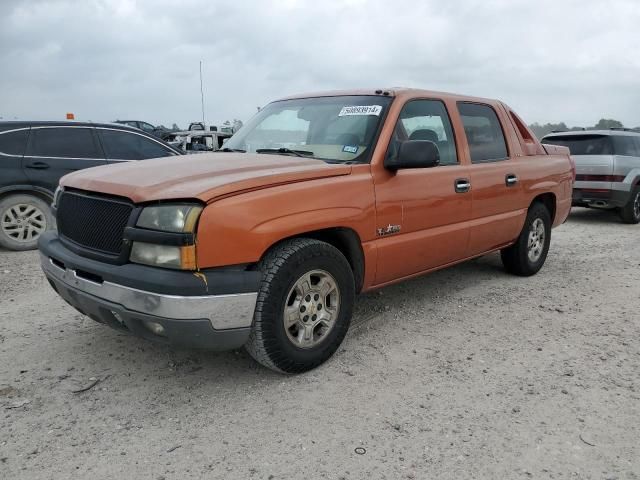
{"x": 582, "y": 144}
{"x": 334, "y": 129}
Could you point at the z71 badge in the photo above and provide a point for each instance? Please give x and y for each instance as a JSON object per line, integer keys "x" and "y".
{"x": 388, "y": 230}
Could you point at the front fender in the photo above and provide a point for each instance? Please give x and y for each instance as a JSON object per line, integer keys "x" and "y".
{"x": 241, "y": 228}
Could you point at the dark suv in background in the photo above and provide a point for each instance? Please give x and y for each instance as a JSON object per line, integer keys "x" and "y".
{"x": 33, "y": 157}
{"x": 160, "y": 132}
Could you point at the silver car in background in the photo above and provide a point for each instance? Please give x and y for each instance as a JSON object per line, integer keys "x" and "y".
{"x": 607, "y": 169}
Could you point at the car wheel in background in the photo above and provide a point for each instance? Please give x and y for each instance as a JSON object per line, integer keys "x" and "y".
{"x": 23, "y": 218}
{"x": 527, "y": 256}
{"x": 630, "y": 213}
{"x": 304, "y": 306}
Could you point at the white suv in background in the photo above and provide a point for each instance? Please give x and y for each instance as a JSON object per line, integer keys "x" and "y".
{"x": 607, "y": 169}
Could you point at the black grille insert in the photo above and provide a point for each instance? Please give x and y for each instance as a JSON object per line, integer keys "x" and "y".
{"x": 93, "y": 222}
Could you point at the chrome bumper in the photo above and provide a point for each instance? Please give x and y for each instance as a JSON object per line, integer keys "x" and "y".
{"x": 223, "y": 311}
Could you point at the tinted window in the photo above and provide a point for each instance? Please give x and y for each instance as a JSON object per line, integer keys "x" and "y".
{"x": 69, "y": 142}
{"x": 146, "y": 127}
{"x": 483, "y": 131}
{"x": 626, "y": 145}
{"x": 13, "y": 143}
{"x": 120, "y": 145}
{"x": 583, "y": 144}
{"x": 426, "y": 120}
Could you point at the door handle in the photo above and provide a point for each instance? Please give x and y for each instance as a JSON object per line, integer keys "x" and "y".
{"x": 510, "y": 180}
{"x": 462, "y": 185}
{"x": 37, "y": 165}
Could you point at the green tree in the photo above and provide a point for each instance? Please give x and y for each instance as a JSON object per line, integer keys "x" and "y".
{"x": 607, "y": 123}
{"x": 542, "y": 130}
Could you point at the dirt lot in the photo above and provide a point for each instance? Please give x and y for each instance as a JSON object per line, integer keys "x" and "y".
{"x": 466, "y": 373}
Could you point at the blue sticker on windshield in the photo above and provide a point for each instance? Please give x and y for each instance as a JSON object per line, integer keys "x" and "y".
{"x": 350, "y": 149}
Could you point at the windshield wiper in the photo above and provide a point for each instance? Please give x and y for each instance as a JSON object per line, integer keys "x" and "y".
{"x": 341, "y": 162}
{"x": 297, "y": 153}
{"x": 227, "y": 149}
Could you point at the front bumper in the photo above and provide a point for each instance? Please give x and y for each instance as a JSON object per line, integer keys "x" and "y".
{"x": 203, "y": 315}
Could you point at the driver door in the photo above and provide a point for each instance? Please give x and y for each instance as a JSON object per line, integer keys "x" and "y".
{"x": 422, "y": 213}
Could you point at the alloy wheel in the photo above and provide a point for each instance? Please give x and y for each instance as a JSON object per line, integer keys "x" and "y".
{"x": 535, "y": 244}
{"x": 311, "y": 308}
{"x": 23, "y": 222}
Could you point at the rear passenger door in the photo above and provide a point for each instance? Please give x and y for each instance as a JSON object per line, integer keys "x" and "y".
{"x": 12, "y": 145}
{"x": 496, "y": 188}
{"x": 123, "y": 146}
{"x": 54, "y": 151}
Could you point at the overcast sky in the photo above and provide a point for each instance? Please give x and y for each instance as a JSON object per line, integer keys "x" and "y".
{"x": 560, "y": 60}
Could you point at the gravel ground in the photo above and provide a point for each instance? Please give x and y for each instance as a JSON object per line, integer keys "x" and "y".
{"x": 465, "y": 373}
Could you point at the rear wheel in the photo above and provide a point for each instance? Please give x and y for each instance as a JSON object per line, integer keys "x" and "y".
{"x": 527, "y": 256}
{"x": 304, "y": 306}
{"x": 630, "y": 213}
{"x": 23, "y": 218}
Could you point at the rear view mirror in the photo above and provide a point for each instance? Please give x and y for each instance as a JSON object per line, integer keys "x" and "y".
{"x": 414, "y": 154}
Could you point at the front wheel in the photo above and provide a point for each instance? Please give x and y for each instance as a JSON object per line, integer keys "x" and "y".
{"x": 630, "y": 213}
{"x": 304, "y": 306}
{"x": 527, "y": 256}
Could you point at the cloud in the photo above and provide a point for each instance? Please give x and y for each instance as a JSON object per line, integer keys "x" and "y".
{"x": 569, "y": 61}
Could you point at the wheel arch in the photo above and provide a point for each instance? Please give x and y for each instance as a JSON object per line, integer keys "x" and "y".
{"x": 549, "y": 200}
{"x": 345, "y": 239}
{"x": 39, "y": 192}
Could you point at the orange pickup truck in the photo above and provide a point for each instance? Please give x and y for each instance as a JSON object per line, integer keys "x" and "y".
{"x": 265, "y": 243}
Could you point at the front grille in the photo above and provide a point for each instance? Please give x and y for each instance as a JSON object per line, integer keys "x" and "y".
{"x": 93, "y": 222}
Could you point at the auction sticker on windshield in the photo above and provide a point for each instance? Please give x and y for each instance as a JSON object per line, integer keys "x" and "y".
{"x": 360, "y": 110}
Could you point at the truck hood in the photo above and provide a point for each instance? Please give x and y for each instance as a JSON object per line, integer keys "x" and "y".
{"x": 203, "y": 176}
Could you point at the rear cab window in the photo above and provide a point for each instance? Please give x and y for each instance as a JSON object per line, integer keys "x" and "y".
{"x": 583, "y": 144}
{"x": 484, "y": 132}
{"x": 64, "y": 142}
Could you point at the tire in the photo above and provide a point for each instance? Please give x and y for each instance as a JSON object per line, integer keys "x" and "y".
{"x": 304, "y": 343}
{"x": 527, "y": 256}
{"x": 630, "y": 213}
{"x": 23, "y": 218}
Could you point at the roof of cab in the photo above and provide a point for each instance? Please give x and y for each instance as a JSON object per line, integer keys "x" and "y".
{"x": 390, "y": 92}
{"x": 62, "y": 123}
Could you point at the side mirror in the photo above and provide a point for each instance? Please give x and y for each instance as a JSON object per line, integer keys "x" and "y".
{"x": 414, "y": 154}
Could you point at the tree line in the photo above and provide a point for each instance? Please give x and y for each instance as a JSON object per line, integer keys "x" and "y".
{"x": 604, "y": 124}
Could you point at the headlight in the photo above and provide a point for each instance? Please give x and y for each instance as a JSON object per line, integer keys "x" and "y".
{"x": 166, "y": 256}
{"x": 170, "y": 218}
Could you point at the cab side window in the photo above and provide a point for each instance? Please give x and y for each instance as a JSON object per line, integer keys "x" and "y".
{"x": 121, "y": 145}
{"x": 626, "y": 145}
{"x": 64, "y": 142}
{"x": 425, "y": 120}
{"x": 484, "y": 133}
{"x": 13, "y": 143}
